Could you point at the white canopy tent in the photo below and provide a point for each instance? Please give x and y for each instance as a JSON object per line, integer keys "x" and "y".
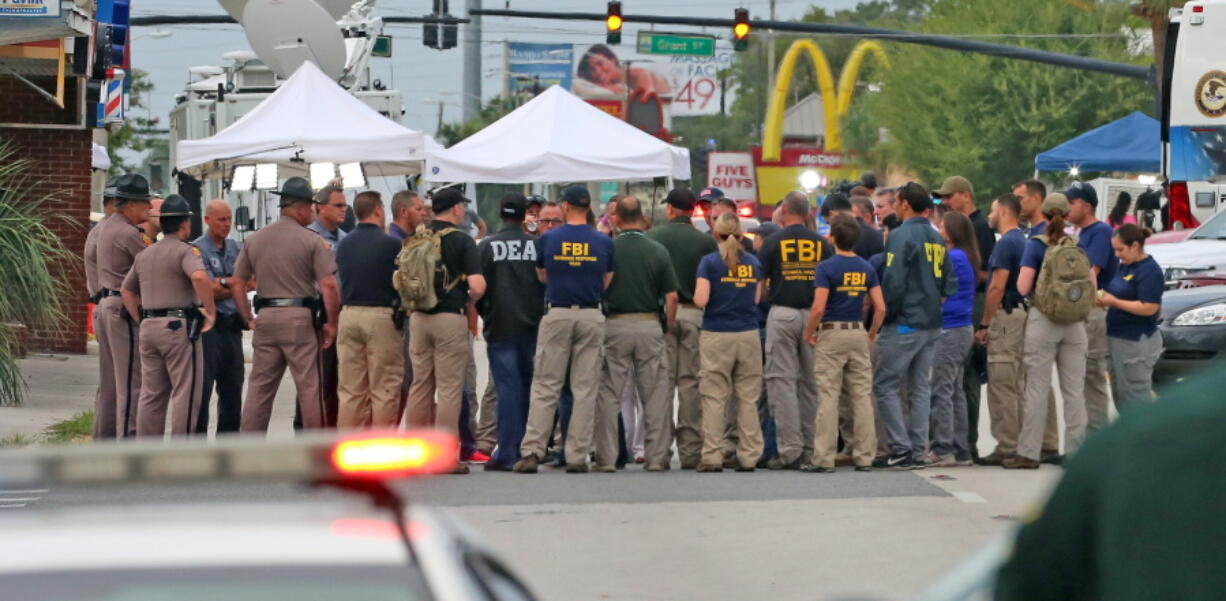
{"x": 309, "y": 119}
{"x": 557, "y": 137}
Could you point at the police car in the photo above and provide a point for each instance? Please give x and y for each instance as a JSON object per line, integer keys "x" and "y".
{"x": 359, "y": 542}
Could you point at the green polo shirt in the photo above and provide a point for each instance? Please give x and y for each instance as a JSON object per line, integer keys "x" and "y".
{"x": 1138, "y": 514}
{"x": 686, "y": 248}
{"x": 644, "y": 274}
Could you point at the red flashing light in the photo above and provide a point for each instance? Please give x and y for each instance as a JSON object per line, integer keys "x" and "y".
{"x": 1181, "y": 205}
{"x": 698, "y": 212}
{"x": 388, "y": 455}
{"x": 745, "y": 211}
{"x": 1198, "y": 9}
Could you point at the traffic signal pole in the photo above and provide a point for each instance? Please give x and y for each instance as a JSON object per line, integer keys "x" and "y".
{"x": 892, "y": 35}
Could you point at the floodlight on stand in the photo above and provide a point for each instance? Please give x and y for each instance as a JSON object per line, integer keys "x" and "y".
{"x": 810, "y": 179}
{"x": 266, "y": 176}
{"x": 244, "y": 178}
{"x": 322, "y": 174}
{"x": 352, "y": 176}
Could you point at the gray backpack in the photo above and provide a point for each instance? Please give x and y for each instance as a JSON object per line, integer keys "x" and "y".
{"x": 1064, "y": 292}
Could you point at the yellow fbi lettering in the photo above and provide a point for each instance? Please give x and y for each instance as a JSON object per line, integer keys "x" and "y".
{"x": 935, "y": 253}
{"x": 575, "y": 253}
{"x": 740, "y": 276}
{"x": 801, "y": 250}
{"x": 854, "y": 283}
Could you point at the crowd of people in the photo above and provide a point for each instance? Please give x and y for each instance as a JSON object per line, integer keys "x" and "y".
{"x": 614, "y": 340}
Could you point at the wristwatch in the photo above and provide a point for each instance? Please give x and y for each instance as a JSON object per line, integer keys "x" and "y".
{"x": 225, "y": 283}
{"x": 982, "y": 326}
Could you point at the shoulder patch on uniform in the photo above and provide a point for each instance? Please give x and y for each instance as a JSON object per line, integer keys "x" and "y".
{"x": 326, "y": 245}
{"x": 145, "y": 239}
{"x": 195, "y": 250}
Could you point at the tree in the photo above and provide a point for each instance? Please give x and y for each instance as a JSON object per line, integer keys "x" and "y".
{"x": 985, "y": 117}
{"x": 1156, "y": 13}
{"x": 136, "y": 135}
{"x": 493, "y": 109}
{"x": 31, "y": 295}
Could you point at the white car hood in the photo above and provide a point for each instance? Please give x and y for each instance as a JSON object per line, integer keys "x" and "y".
{"x": 1209, "y": 254}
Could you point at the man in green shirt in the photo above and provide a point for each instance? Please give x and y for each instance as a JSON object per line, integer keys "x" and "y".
{"x": 643, "y": 287}
{"x": 1138, "y": 513}
{"x": 686, "y": 248}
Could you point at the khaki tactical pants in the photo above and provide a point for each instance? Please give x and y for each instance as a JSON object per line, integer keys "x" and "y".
{"x": 283, "y": 337}
{"x": 1006, "y": 378}
{"x": 118, "y": 339}
{"x": 1048, "y": 343}
{"x": 790, "y": 386}
{"x": 487, "y": 419}
{"x": 172, "y": 375}
{"x": 843, "y": 370}
{"x": 440, "y": 350}
{"x": 731, "y": 372}
{"x": 573, "y": 337}
{"x": 685, "y": 358}
{"x": 1097, "y": 391}
{"x": 371, "y": 368}
{"x": 635, "y": 348}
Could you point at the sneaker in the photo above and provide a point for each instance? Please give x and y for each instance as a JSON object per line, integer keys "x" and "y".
{"x": 817, "y": 469}
{"x": 895, "y": 462}
{"x": 776, "y": 464}
{"x": 478, "y": 457}
{"x": 1017, "y": 462}
{"x": 497, "y": 467}
{"x": 707, "y": 468}
{"x": 605, "y": 469}
{"x": 555, "y": 460}
{"x": 576, "y": 468}
{"x": 996, "y": 458}
{"x": 656, "y": 467}
{"x": 929, "y": 458}
{"x": 864, "y": 468}
{"x": 950, "y": 461}
{"x": 1051, "y": 457}
{"x": 844, "y": 460}
{"x": 527, "y": 465}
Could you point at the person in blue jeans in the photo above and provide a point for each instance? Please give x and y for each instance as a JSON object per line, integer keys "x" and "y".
{"x": 917, "y": 278}
{"x": 512, "y": 310}
{"x": 950, "y": 446}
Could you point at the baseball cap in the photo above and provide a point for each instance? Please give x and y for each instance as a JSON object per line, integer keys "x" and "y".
{"x": 682, "y": 198}
{"x": 765, "y": 229}
{"x": 1055, "y": 203}
{"x": 711, "y": 194}
{"x": 514, "y": 205}
{"x": 1082, "y": 191}
{"x": 577, "y": 196}
{"x": 446, "y": 198}
{"x": 536, "y": 200}
{"x": 953, "y": 185}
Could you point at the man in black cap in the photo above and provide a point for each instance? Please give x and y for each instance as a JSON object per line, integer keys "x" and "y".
{"x": 163, "y": 290}
{"x": 119, "y": 241}
{"x": 1094, "y": 237}
{"x": 438, "y": 337}
{"x": 686, "y": 248}
{"x": 706, "y": 202}
{"x": 293, "y": 266}
{"x": 512, "y": 309}
{"x": 576, "y": 264}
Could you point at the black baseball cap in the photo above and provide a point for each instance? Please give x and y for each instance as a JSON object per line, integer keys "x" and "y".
{"x": 536, "y": 200}
{"x": 514, "y": 205}
{"x": 446, "y": 198}
{"x": 1082, "y": 191}
{"x": 682, "y": 198}
{"x": 577, "y": 196}
{"x": 709, "y": 194}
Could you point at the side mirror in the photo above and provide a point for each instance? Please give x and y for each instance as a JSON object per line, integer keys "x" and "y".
{"x": 242, "y": 219}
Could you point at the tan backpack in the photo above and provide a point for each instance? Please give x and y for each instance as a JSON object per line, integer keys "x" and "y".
{"x": 419, "y": 262}
{"x": 1065, "y": 291}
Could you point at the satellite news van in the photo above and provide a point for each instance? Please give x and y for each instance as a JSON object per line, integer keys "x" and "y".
{"x": 1194, "y": 112}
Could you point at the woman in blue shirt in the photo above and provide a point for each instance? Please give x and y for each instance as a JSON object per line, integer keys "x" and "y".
{"x": 949, "y": 412}
{"x": 1133, "y": 300}
{"x": 728, "y": 287}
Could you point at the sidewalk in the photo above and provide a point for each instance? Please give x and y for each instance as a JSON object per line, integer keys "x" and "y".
{"x": 60, "y": 386}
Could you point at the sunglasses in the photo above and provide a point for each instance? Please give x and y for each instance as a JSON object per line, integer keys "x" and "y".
{"x": 552, "y": 221}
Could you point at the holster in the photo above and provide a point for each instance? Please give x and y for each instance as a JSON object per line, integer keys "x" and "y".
{"x": 195, "y": 322}
{"x": 319, "y": 314}
{"x": 398, "y": 315}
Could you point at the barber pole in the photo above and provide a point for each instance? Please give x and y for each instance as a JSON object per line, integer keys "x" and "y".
{"x": 113, "y": 97}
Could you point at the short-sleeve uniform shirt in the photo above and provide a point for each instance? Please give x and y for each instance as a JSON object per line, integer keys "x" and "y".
{"x": 789, "y": 258}
{"x": 575, "y": 259}
{"x": 286, "y": 259}
{"x": 1141, "y": 281}
{"x": 219, "y": 263}
{"x": 644, "y": 274}
{"x": 162, "y": 274}
{"x": 686, "y": 248}
{"x": 1007, "y": 254}
{"x": 848, "y": 279}
{"x": 460, "y": 257}
{"x": 1096, "y": 241}
{"x": 731, "y": 306}
{"x": 91, "y": 257}
{"x": 119, "y": 241}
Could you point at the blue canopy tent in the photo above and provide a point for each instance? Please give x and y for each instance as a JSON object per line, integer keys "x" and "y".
{"x": 1130, "y": 144}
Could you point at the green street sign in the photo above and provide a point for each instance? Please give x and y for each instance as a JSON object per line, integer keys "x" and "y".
{"x": 651, "y": 42}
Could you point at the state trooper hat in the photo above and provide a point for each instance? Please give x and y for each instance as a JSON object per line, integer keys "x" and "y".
{"x": 175, "y": 206}
{"x": 132, "y": 186}
{"x": 294, "y": 190}
{"x": 109, "y": 190}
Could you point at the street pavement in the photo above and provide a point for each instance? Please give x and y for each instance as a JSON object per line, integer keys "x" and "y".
{"x": 638, "y": 536}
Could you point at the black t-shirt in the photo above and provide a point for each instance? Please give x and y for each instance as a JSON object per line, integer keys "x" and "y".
{"x": 460, "y": 256}
{"x": 869, "y": 243}
{"x": 789, "y": 259}
{"x": 365, "y": 261}
{"x": 985, "y": 236}
{"x": 514, "y": 300}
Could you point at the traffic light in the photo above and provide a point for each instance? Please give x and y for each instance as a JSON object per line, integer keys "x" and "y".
{"x": 440, "y": 36}
{"x": 613, "y": 23}
{"x": 740, "y": 30}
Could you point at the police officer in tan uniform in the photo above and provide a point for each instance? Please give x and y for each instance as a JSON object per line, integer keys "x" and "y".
{"x": 118, "y": 242}
{"x": 162, "y": 291}
{"x": 105, "y": 395}
{"x": 288, "y": 262}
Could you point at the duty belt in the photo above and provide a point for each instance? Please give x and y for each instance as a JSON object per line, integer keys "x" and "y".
{"x": 1023, "y": 304}
{"x": 261, "y": 303}
{"x": 553, "y": 306}
{"x": 105, "y": 292}
{"x": 841, "y": 325}
{"x": 639, "y": 316}
{"x": 181, "y": 313}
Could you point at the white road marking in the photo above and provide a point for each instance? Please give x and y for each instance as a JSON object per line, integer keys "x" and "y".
{"x": 27, "y": 491}
{"x": 968, "y": 497}
{"x": 18, "y": 499}
{"x": 12, "y": 506}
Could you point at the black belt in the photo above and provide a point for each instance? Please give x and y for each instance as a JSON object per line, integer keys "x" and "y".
{"x": 280, "y": 303}
{"x": 553, "y": 306}
{"x": 1025, "y": 306}
{"x": 105, "y": 292}
{"x": 841, "y": 325}
{"x": 181, "y": 313}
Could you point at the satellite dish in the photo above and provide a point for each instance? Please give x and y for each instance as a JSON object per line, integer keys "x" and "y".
{"x": 287, "y": 33}
{"x": 205, "y": 70}
{"x": 234, "y": 8}
{"x": 241, "y": 56}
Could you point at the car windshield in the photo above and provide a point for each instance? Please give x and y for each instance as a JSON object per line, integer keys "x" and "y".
{"x": 248, "y": 583}
{"x": 1214, "y": 229}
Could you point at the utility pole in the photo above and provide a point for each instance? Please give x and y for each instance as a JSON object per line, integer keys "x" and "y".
{"x": 472, "y": 62}
{"x": 770, "y": 51}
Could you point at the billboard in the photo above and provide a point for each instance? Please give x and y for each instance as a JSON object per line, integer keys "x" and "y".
{"x": 688, "y": 85}
{"x": 29, "y": 8}
{"x": 733, "y": 173}
{"x": 543, "y": 65}
{"x": 777, "y": 178}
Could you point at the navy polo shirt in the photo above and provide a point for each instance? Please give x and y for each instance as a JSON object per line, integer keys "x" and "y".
{"x": 1141, "y": 281}
{"x": 365, "y": 260}
{"x": 575, "y": 259}
{"x": 1007, "y": 254}
{"x": 849, "y": 279}
{"x": 1096, "y": 241}
{"x": 731, "y": 307}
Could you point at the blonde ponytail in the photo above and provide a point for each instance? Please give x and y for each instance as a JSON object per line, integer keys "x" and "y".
{"x": 728, "y": 227}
